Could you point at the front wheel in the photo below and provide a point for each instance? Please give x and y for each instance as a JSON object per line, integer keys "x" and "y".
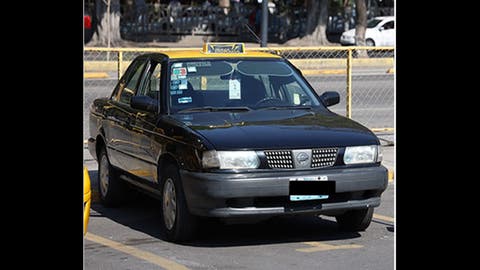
{"x": 355, "y": 220}
{"x": 369, "y": 42}
{"x": 179, "y": 225}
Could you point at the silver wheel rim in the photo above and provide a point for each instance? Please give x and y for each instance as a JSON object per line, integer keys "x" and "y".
{"x": 169, "y": 203}
{"x": 104, "y": 177}
{"x": 369, "y": 43}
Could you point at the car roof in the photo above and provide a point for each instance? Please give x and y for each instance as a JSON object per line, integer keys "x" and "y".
{"x": 200, "y": 54}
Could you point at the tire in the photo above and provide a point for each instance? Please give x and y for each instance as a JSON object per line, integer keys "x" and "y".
{"x": 111, "y": 189}
{"x": 355, "y": 220}
{"x": 177, "y": 222}
{"x": 369, "y": 42}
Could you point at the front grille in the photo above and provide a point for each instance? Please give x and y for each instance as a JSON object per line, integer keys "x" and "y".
{"x": 279, "y": 159}
{"x": 324, "y": 157}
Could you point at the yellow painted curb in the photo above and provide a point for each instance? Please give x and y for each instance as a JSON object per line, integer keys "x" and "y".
{"x": 391, "y": 70}
{"x": 390, "y": 176}
{"x": 324, "y": 71}
{"x": 95, "y": 75}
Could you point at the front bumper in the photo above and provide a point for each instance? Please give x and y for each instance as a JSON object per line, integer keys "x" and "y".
{"x": 347, "y": 40}
{"x": 267, "y": 193}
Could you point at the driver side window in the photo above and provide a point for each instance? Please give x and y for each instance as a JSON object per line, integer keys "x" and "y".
{"x": 151, "y": 87}
{"x": 389, "y": 25}
{"x": 131, "y": 85}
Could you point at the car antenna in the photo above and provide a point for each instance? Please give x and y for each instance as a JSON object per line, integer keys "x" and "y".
{"x": 253, "y": 33}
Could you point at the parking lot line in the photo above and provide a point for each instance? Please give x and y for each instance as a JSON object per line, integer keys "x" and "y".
{"x": 390, "y": 176}
{"x": 144, "y": 255}
{"x": 384, "y": 218}
{"x": 317, "y": 246}
{"x": 95, "y": 75}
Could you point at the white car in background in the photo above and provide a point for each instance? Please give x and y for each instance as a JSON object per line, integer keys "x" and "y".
{"x": 380, "y": 32}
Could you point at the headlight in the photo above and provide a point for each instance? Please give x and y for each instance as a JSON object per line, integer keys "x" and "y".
{"x": 230, "y": 159}
{"x": 362, "y": 154}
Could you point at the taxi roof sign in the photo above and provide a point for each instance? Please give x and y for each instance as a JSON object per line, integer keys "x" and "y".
{"x": 223, "y": 48}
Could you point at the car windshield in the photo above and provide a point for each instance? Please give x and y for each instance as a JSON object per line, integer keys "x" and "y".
{"x": 233, "y": 84}
{"x": 372, "y": 23}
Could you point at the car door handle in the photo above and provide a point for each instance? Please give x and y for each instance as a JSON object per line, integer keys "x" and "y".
{"x": 139, "y": 114}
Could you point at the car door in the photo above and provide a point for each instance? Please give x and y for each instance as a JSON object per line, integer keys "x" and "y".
{"x": 144, "y": 131}
{"x": 387, "y": 33}
{"x": 119, "y": 115}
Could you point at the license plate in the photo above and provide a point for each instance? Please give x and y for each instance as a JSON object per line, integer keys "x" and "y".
{"x": 301, "y": 188}
{"x": 307, "y": 197}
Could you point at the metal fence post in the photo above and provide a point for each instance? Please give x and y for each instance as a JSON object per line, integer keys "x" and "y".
{"x": 348, "y": 100}
{"x": 120, "y": 66}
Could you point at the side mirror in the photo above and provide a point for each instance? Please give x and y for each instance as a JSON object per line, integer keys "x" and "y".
{"x": 381, "y": 28}
{"x": 330, "y": 98}
{"x": 144, "y": 103}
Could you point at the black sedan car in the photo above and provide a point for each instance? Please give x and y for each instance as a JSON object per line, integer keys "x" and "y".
{"x": 222, "y": 132}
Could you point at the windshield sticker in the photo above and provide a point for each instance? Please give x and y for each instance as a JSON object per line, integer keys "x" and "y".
{"x": 180, "y": 71}
{"x": 183, "y": 86}
{"x": 176, "y": 65}
{"x": 179, "y": 92}
{"x": 296, "y": 99}
{"x": 203, "y": 83}
{"x": 173, "y": 86}
{"x": 199, "y": 64}
{"x": 184, "y": 100}
{"x": 234, "y": 89}
{"x": 175, "y": 82}
{"x": 181, "y": 77}
{"x": 174, "y": 77}
{"x": 192, "y": 69}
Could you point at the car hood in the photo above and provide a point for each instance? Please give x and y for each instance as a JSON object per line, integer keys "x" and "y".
{"x": 277, "y": 129}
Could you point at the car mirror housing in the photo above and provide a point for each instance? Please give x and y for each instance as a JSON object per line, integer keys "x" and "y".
{"x": 330, "y": 98}
{"x": 144, "y": 103}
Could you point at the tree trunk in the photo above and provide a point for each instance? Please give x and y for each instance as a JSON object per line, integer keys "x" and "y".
{"x": 317, "y": 18}
{"x": 361, "y": 23}
{"x": 225, "y": 4}
{"x": 107, "y": 32}
{"x": 361, "y": 26}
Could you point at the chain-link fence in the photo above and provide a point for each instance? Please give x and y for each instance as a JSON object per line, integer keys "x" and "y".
{"x": 363, "y": 76}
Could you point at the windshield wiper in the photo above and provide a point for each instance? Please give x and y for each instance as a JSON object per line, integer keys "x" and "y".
{"x": 286, "y": 108}
{"x": 214, "y": 109}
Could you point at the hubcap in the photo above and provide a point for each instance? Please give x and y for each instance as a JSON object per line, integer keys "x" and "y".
{"x": 169, "y": 203}
{"x": 104, "y": 177}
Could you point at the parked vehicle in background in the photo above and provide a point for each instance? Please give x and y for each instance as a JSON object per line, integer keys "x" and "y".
{"x": 380, "y": 32}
